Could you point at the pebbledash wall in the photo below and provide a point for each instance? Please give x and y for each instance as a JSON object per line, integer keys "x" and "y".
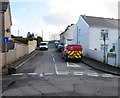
{"x": 19, "y": 51}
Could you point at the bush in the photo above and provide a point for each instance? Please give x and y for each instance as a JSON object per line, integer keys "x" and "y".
{"x": 111, "y": 50}
{"x": 95, "y": 49}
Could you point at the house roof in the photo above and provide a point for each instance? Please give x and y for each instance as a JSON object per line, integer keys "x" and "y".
{"x": 101, "y": 22}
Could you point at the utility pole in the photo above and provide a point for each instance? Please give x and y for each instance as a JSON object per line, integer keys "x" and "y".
{"x": 104, "y": 39}
{"x": 18, "y": 33}
{"x": 42, "y": 34}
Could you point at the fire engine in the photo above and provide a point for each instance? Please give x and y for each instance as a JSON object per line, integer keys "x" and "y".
{"x": 72, "y": 51}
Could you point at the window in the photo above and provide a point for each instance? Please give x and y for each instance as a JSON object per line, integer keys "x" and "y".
{"x": 104, "y": 32}
{"x": 106, "y": 47}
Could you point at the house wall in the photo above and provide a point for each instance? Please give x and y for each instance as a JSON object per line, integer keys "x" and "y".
{"x": 70, "y": 32}
{"x": 82, "y": 36}
{"x": 0, "y": 31}
{"x": 96, "y": 41}
{"x": 63, "y": 38}
{"x": 7, "y": 20}
{"x": 32, "y": 45}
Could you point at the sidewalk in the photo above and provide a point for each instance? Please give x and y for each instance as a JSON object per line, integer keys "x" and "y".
{"x": 21, "y": 60}
{"x": 101, "y": 66}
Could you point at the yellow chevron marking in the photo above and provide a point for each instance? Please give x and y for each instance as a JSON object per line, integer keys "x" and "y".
{"x": 76, "y": 56}
{"x": 72, "y": 53}
{"x": 78, "y": 53}
{"x": 69, "y": 52}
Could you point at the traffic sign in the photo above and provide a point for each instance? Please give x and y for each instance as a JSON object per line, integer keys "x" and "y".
{"x": 5, "y": 40}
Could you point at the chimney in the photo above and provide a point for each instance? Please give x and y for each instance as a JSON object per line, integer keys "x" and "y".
{"x": 84, "y": 16}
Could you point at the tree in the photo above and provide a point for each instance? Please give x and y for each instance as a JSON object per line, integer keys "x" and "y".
{"x": 29, "y": 35}
{"x": 38, "y": 39}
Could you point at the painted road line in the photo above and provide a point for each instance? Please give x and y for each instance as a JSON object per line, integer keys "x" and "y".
{"x": 72, "y": 65}
{"x": 56, "y": 71}
{"x": 33, "y": 74}
{"x": 26, "y": 61}
{"x": 53, "y": 60}
{"x": 107, "y": 75}
{"x": 63, "y": 73}
{"x": 48, "y": 74}
{"x": 78, "y": 73}
{"x": 20, "y": 74}
{"x": 76, "y": 65}
{"x": 93, "y": 74}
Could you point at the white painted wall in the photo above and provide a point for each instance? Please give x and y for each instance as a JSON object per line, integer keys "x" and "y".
{"x": 96, "y": 41}
{"x": 70, "y": 32}
{"x": 90, "y": 38}
{"x": 81, "y": 34}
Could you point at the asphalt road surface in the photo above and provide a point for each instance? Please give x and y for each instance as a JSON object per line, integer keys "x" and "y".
{"x": 46, "y": 74}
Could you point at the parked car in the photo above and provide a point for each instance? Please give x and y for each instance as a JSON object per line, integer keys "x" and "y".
{"x": 43, "y": 46}
{"x": 57, "y": 44}
{"x": 60, "y": 48}
{"x": 72, "y": 52}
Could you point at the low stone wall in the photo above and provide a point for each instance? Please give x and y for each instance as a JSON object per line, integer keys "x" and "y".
{"x": 19, "y": 51}
{"x": 32, "y": 45}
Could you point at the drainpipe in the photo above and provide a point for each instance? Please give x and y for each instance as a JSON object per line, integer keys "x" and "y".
{"x": 2, "y": 30}
{"x": 119, "y": 34}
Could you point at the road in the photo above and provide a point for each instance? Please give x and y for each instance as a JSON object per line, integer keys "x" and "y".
{"x": 46, "y": 74}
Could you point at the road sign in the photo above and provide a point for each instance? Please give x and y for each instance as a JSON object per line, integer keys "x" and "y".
{"x": 5, "y": 40}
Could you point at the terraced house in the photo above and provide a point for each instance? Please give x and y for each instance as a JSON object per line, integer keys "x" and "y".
{"x": 5, "y": 19}
{"x": 90, "y": 32}
{"x": 5, "y": 23}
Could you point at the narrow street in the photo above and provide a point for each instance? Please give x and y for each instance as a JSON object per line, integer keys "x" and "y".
{"x": 46, "y": 74}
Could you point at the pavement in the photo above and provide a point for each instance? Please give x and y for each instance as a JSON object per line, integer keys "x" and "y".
{"x": 101, "y": 66}
{"x": 19, "y": 62}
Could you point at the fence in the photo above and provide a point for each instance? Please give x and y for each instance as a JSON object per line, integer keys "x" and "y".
{"x": 19, "y": 51}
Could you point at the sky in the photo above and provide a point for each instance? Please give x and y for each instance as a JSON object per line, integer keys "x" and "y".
{"x": 53, "y": 16}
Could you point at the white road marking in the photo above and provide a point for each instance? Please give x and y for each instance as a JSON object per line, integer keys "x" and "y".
{"x": 48, "y": 74}
{"x": 56, "y": 69}
{"x": 63, "y": 73}
{"x": 78, "y": 73}
{"x": 20, "y": 74}
{"x": 53, "y": 60}
{"x": 107, "y": 75}
{"x": 93, "y": 74}
{"x": 33, "y": 74}
{"x": 72, "y": 65}
{"x": 25, "y": 61}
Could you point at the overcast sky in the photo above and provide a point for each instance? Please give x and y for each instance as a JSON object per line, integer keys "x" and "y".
{"x": 53, "y": 16}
